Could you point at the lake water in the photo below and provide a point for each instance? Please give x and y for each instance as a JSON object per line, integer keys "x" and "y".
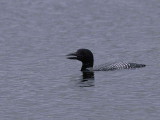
{"x": 37, "y": 82}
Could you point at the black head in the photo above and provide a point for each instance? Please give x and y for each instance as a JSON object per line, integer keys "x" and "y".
{"x": 83, "y": 55}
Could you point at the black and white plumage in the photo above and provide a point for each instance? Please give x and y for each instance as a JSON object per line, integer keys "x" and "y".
{"x": 87, "y": 59}
{"x": 118, "y": 66}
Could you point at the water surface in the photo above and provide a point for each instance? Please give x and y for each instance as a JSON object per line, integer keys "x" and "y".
{"x": 37, "y": 82}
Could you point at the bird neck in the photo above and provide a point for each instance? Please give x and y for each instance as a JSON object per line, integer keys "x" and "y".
{"x": 86, "y": 65}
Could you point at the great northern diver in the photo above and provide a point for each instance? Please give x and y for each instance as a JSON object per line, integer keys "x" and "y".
{"x": 87, "y": 59}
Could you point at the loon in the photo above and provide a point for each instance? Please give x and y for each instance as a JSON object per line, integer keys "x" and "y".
{"x": 87, "y": 59}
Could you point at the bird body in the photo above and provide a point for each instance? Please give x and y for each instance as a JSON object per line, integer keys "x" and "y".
{"x": 117, "y": 66}
{"x": 87, "y": 59}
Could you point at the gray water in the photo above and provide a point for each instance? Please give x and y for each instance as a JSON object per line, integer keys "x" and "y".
{"x": 37, "y": 82}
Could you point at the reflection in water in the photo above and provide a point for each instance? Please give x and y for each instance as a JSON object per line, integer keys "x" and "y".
{"x": 88, "y": 75}
{"x": 84, "y": 80}
{"x": 87, "y": 79}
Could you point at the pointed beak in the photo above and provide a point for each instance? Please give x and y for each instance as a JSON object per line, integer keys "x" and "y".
{"x": 72, "y": 56}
